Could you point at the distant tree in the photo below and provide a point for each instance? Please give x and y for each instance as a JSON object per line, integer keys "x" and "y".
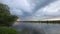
{"x": 6, "y": 18}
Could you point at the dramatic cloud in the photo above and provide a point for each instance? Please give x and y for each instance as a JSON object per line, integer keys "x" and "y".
{"x": 34, "y": 9}
{"x": 38, "y": 4}
{"x": 18, "y": 5}
{"x": 50, "y": 11}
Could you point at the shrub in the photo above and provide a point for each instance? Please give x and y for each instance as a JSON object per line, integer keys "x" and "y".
{"x": 8, "y": 30}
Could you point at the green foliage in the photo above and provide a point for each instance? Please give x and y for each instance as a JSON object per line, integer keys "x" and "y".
{"x": 4, "y": 10}
{"x": 8, "y": 30}
{"x": 6, "y": 19}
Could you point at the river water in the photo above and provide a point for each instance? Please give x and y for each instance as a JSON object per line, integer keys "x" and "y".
{"x": 42, "y": 28}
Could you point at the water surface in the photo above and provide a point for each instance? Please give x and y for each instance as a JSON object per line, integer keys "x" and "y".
{"x": 42, "y": 28}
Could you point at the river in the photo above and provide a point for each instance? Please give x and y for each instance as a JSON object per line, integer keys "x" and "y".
{"x": 41, "y": 28}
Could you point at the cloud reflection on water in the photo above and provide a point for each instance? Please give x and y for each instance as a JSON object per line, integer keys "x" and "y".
{"x": 41, "y": 27}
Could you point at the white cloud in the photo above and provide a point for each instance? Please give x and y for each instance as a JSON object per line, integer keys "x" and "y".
{"x": 52, "y": 9}
{"x": 16, "y": 12}
{"x": 18, "y": 5}
{"x": 49, "y": 11}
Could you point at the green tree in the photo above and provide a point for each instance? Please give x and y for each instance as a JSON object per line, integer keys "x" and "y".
{"x": 6, "y": 18}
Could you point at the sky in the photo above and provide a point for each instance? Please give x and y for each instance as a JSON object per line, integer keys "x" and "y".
{"x": 34, "y": 9}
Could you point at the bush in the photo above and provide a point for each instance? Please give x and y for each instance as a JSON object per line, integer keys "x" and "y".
{"x": 8, "y": 30}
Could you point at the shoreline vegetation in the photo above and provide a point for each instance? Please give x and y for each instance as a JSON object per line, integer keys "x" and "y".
{"x": 7, "y": 20}
{"x": 56, "y": 21}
